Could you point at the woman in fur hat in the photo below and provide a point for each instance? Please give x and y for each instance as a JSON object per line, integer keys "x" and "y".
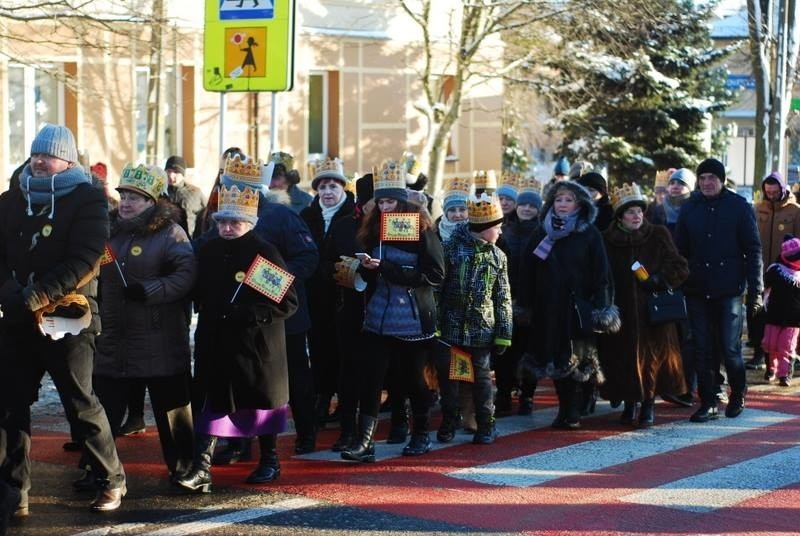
{"x": 565, "y": 284}
{"x": 641, "y": 360}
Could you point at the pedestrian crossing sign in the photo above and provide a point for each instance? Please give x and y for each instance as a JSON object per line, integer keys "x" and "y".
{"x": 248, "y": 45}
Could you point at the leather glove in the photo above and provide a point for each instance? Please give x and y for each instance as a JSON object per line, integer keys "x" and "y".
{"x": 655, "y": 282}
{"x": 134, "y": 292}
{"x": 755, "y": 303}
{"x": 15, "y": 310}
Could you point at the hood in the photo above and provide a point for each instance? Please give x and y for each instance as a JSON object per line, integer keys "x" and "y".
{"x": 775, "y": 176}
{"x": 587, "y": 209}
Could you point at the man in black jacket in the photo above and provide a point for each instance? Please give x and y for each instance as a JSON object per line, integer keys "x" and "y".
{"x": 53, "y": 231}
{"x": 717, "y": 233}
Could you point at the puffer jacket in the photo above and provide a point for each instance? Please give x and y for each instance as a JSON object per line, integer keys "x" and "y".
{"x": 776, "y": 219}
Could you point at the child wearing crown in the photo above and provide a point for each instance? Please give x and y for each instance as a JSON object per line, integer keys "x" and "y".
{"x": 474, "y": 314}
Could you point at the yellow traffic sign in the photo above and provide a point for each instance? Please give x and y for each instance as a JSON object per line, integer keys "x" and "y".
{"x": 249, "y": 45}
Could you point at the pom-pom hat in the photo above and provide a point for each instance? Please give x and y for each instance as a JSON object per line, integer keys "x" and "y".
{"x": 790, "y": 251}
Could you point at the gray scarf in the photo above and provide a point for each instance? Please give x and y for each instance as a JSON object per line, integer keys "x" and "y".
{"x": 672, "y": 207}
{"x": 45, "y": 190}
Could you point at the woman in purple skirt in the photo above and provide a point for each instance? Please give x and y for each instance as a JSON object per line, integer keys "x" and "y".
{"x": 240, "y": 374}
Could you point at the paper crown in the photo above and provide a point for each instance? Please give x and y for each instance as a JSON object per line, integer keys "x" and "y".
{"x": 512, "y": 178}
{"x": 279, "y": 157}
{"x": 662, "y": 178}
{"x": 411, "y": 166}
{"x": 246, "y": 171}
{"x": 330, "y": 168}
{"x": 484, "y": 209}
{"x": 390, "y": 175}
{"x": 485, "y": 180}
{"x": 528, "y": 184}
{"x": 456, "y": 186}
{"x": 236, "y": 204}
{"x": 146, "y": 180}
{"x": 627, "y": 194}
{"x": 345, "y": 273}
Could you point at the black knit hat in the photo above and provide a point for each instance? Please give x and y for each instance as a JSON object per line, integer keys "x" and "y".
{"x": 177, "y": 163}
{"x": 364, "y": 188}
{"x": 594, "y": 181}
{"x": 713, "y": 166}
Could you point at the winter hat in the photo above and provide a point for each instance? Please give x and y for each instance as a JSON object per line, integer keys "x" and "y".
{"x": 580, "y": 168}
{"x": 364, "y": 188}
{"x": 149, "y": 181}
{"x": 790, "y": 251}
{"x": 509, "y": 184}
{"x": 99, "y": 170}
{"x": 484, "y": 212}
{"x": 529, "y": 192}
{"x": 389, "y": 182}
{"x": 595, "y": 181}
{"x": 626, "y": 196}
{"x": 456, "y": 192}
{"x": 684, "y": 175}
{"x": 330, "y": 168}
{"x": 55, "y": 140}
{"x": 176, "y": 163}
{"x": 562, "y": 166}
{"x": 236, "y": 204}
{"x": 246, "y": 172}
{"x": 280, "y": 157}
{"x": 712, "y": 165}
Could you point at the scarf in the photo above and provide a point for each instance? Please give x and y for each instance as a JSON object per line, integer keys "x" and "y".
{"x": 329, "y": 213}
{"x": 672, "y": 207}
{"x": 446, "y": 228}
{"x": 45, "y": 190}
{"x": 136, "y": 222}
{"x": 555, "y": 230}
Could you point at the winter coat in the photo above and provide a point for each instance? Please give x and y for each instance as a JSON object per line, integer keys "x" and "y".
{"x": 783, "y": 304}
{"x": 641, "y": 360}
{"x": 400, "y": 300}
{"x": 515, "y": 237}
{"x": 240, "y": 347}
{"x": 475, "y": 299}
{"x": 719, "y": 238}
{"x": 298, "y": 199}
{"x": 776, "y": 219}
{"x": 191, "y": 202}
{"x": 49, "y": 257}
{"x": 151, "y": 338}
{"x": 576, "y": 267}
{"x": 605, "y": 214}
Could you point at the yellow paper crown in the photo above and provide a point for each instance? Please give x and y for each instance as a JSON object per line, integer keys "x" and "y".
{"x": 485, "y": 180}
{"x": 484, "y": 209}
{"x": 625, "y": 194}
{"x": 511, "y": 178}
{"x": 332, "y": 168}
{"x": 662, "y": 178}
{"x": 412, "y": 166}
{"x": 147, "y": 180}
{"x": 529, "y": 184}
{"x": 279, "y": 157}
{"x": 456, "y": 186}
{"x": 247, "y": 171}
{"x": 237, "y": 204}
{"x": 390, "y": 175}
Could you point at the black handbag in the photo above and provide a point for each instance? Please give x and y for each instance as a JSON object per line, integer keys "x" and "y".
{"x": 666, "y": 306}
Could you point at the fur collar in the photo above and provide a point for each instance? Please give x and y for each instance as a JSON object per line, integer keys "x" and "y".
{"x": 588, "y": 210}
{"x": 164, "y": 215}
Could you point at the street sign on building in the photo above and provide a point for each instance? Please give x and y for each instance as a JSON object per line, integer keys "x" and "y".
{"x": 248, "y": 45}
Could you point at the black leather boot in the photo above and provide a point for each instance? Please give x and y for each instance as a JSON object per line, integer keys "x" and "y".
{"x": 238, "y": 449}
{"x": 347, "y": 437}
{"x": 199, "y": 477}
{"x": 647, "y": 415}
{"x": 588, "y": 398}
{"x": 269, "y": 468}
{"x": 569, "y": 405}
{"x": 559, "y": 421}
{"x": 420, "y": 442}
{"x": 364, "y": 451}
{"x": 629, "y": 412}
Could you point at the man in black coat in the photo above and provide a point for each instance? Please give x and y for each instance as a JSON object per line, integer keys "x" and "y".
{"x": 717, "y": 233}
{"x": 53, "y": 231}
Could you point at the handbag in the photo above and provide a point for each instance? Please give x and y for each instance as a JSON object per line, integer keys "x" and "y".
{"x": 666, "y": 306}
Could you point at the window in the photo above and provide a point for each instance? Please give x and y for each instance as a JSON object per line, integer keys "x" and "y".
{"x": 34, "y": 98}
{"x": 317, "y": 116}
{"x": 170, "y": 112}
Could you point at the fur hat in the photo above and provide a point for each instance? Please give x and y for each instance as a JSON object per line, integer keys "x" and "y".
{"x": 713, "y": 166}
{"x": 149, "y": 181}
{"x": 176, "y": 163}
{"x": 236, "y": 204}
{"x": 587, "y": 208}
{"x": 562, "y": 166}
{"x": 684, "y": 175}
{"x": 330, "y": 168}
{"x": 625, "y": 197}
{"x": 484, "y": 212}
{"x": 594, "y": 181}
{"x": 55, "y": 140}
{"x": 390, "y": 182}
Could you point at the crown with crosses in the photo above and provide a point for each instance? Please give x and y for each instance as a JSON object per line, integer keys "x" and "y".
{"x": 279, "y": 157}
{"x": 627, "y": 194}
{"x": 390, "y": 175}
{"x": 245, "y": 170}
{"x": 484, "y": 209}
{"x": 150, "y": 181}
{"x": 485, "y": 180}
{"x": 237, "y": 204}
{"x": 412, "y": 167}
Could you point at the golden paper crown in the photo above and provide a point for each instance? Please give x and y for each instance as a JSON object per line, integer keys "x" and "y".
{"x": 529, "y": 184}
{"x": 484, "y": 209}
{"x": 146, "y": 180}
{"x": 390, "y": 175}
{"x": 279, "y": 157}
{"x": 456, "y": 186}
{"x": 412, "y": 167}
{"x": 330, "y": 168}
{"x": 662, "y": 178}
{"x": 237, "y": 204}
{"x": 626, "y": 194}
{"x": 247, "y": 171}
{"x": 511, "y": 178}
{"x": 485, "y": 180}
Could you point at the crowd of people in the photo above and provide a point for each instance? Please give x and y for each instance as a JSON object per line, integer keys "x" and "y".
{"x": 358, "y": 291}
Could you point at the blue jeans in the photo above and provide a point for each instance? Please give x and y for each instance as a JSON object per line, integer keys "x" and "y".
{"x": 720, "y": 318}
